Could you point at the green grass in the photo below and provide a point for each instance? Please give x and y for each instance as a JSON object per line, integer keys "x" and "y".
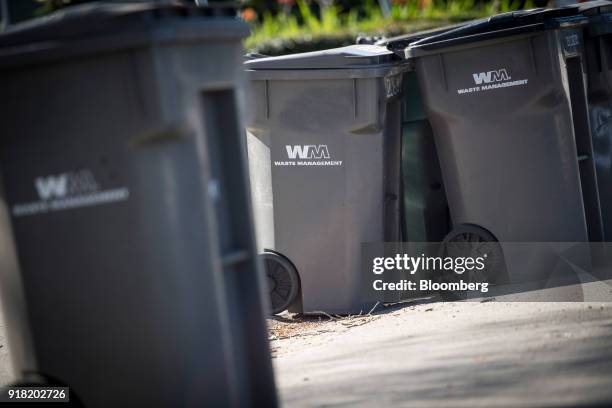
{"x": 404, "y": 18}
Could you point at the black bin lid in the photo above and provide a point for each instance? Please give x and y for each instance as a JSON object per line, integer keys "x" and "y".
{"x": 352, "y": 56}
{"x": 399, "y": 43}
{"x": 113, "y": 25}
{"x": 509, "y": 23}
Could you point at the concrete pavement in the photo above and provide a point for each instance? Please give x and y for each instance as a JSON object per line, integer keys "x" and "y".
{"x": 436, "y": 354}
{"x": 460, "y": 354}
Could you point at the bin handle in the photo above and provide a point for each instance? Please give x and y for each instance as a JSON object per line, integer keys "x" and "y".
{"x": 254, "y": 55}
{"x": 600, "y": 25}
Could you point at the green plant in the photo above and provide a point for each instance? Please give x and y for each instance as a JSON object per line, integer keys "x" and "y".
{"x": 405, "y": 17}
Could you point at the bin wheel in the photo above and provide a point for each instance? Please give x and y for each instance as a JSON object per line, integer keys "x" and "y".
{"x": 473, "y": 241}
{"x": 283, "y": 281}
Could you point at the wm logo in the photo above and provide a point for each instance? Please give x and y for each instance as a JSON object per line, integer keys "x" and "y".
{"x": 491, "y": 76}
{"x": 307, "y": 152}
{"x": 52, "y": 186}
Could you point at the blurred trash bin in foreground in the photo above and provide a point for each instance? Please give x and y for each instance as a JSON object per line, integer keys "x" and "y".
{"x": 132, "y": 275}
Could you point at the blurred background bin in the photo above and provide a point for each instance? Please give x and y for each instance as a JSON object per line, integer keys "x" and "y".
{"x": 134, "y": 280}
{"x": 425, "y": 216}
{"x": 502, "y": 95}
{"x": 324, "y": 157}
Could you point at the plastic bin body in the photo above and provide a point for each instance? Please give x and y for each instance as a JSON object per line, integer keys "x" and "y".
{"x": 342, "y": 107}
{"x": 598, "y": 47}
{"x": 124, "y": 177}
{"x": 424, "y": 208}
{"x": 515, "y": 158}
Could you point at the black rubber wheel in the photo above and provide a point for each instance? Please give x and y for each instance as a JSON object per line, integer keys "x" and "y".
{"x": 473, "y": 241}
{"x": 283, "y": 281}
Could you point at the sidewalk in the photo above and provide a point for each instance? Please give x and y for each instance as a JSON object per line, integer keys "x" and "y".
{"x": 467, "y": 354}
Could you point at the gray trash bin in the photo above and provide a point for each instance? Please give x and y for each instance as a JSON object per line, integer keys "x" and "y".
{"x": 511, "y": 133}
{"x": 598, "y": 47}
{"x": 323, "y": 144}
{"x": 124, "y": 183}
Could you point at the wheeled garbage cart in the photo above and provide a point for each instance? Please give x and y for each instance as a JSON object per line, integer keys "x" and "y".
{"x": 324, "y": 159}
{"x": 129, "y": 271}
{"x": 503, "y": 97}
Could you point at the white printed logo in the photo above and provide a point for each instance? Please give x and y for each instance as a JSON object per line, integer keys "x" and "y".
{"x": 68, "y": 190}
{"x": 572, "y": 41}
{"x": 308, "y": 152}
{"x": 65, "y": 184}
{"x": 308, "y": 155}
{"x": 393, "y": 85}
{"x": 51, "y": 186}
{"x": 494, "y": 79}
{"x": 499, "y": 75}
